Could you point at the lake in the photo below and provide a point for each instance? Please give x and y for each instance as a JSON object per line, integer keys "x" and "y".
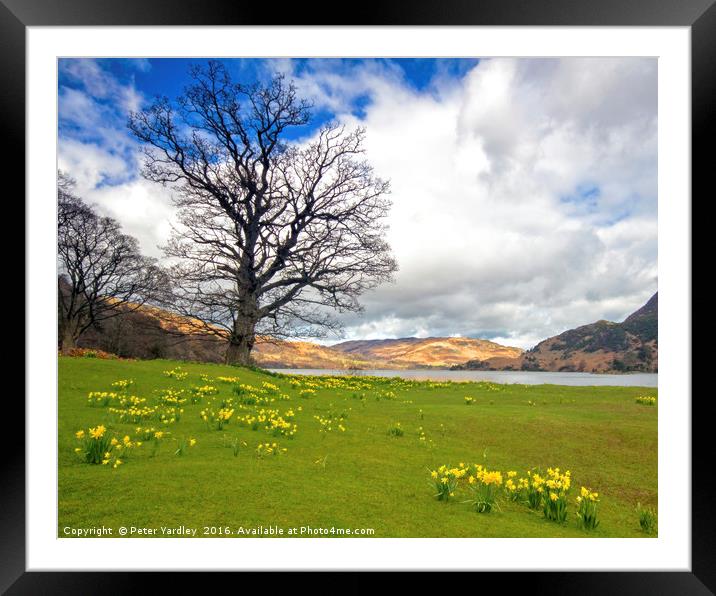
{"x": 495, "y": 376}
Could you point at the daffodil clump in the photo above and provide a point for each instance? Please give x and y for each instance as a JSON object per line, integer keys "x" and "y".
{"x": 99, "y": 448}
{"x": 176, "y": 373}
{"x": 548, "y": 492}
{"x": 171, "y": 397}
{"x": 252, "y": 399}
{"x": 535, "y": 489}
{"x": 646, "y": 400}
{"x": 256, "y": 396}
{"x": 516, "y": 488}
{"x": 169, "y": 414}
{"x": 469, "y": 400}
{"x": 133, "y": 413}
{"x": 199, "y": 393}
{"x": 587, "y": 509}
{"x": 104, "y": 398}
{"x": 252, "y": 421}
{"x": 554, "y": 497}
{"x": 389, "y": 395}
{"x": 95, "y": 443}
{"x": 484, "y": 485}
{"x": 123, "y": 384}
{"x": 101, "y": 399}
{"x": 282, "y": 425}
{"x": 266, "y": 449}
{"x": 245, "y": 388}
{"x": 330, "y": 422}
{"x": 232, "y": 380}
{"x": 445, "y": 480}
{"x": 216, "y": 419}
{"x": 147, "y": 433}
{"x": 270, "y": 420}
{"x": 120, "y": 448}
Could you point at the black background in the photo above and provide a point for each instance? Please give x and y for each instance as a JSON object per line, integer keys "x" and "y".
{"x": 16, "y": 15}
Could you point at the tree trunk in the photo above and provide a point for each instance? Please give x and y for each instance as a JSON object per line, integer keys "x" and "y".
{"x": 67, "y": 339}
{"x": 241, "y": 342}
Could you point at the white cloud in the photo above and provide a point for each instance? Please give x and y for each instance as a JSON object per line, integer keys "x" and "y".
{"x": 144, "y": 209}
{"x": 488, "y": 224}
{"x": 101, "y": 84}
{"x": 89, "y": 164}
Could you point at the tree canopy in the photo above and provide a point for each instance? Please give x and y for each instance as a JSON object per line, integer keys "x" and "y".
{"x": 273, "y": 235}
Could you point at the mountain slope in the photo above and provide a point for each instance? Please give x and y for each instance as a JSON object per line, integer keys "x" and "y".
{"x": 604, "y": 346}
{"x": 431, "y": 351}
{"x": 151, "y": 332}
{"x": 271, "y": 353}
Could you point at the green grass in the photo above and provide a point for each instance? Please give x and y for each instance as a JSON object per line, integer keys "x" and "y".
{"x": 363, "y": 477}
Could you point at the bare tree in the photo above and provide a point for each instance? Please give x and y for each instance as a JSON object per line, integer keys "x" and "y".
{"x": 102, "y": 273}
{"x": 273, "y": 236}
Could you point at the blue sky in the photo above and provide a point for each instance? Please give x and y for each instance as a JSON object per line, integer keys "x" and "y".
{"x": 524, "y": 190}
{"x": 103, "y": 81}
{"x": 154, "y": 77}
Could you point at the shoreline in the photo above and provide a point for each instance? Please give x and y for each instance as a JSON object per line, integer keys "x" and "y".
{"x": 635, "y": 379}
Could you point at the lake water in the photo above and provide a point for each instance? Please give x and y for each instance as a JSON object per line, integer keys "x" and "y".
{"x": 496, "y": 376}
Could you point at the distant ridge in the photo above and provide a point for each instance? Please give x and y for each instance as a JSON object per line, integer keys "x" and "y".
{"x": 430, "y": 351}
{"x": 604, "y": 346}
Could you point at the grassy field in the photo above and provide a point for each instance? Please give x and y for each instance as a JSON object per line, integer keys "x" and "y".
{"x": 360, "y": 477}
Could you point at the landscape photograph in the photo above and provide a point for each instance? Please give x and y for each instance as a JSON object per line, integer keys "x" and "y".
{"x": 357, "y": 297}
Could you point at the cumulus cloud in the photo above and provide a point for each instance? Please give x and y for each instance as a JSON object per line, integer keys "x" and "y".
{"x": 524, "y": 199}
{"x": 524, "y": 192}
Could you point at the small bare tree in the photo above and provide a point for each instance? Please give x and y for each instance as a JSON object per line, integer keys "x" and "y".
{"x": 101, "y": 271}
{"x": 273, "y": 236}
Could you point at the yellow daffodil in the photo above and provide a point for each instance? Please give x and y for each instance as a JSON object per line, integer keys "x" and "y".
{"x": 97, "y": 432}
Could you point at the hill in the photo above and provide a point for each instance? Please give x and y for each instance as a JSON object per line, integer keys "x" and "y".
{"x": 427, "y": 352}
{"x": 150, "y": 332}
{"x": 272, "y": 353}
{"x": 604, "y": 346}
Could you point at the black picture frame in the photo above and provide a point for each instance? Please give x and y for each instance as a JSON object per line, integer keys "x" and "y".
{"x": 699, "y": 15}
